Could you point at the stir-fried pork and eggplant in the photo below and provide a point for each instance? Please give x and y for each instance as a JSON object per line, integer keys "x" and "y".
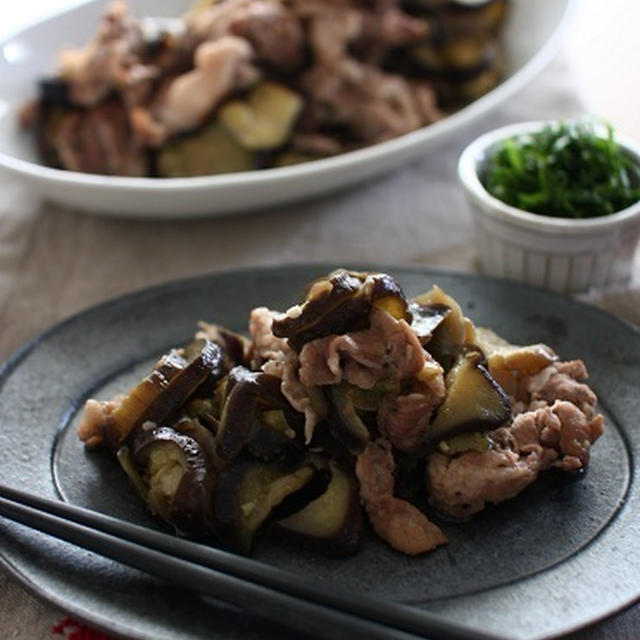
{"x": 236, "y": 85}
{"x": 355, "y": 404}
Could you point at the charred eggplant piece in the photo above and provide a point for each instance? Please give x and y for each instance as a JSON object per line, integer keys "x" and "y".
{"x": 264, "y": 120}
{"x": 209, "y": 151}
{"x": 474, "y": 401}
{"x": 346, "y": 425}
{"x": 205, "y": 439}
{"x": 472, "y": 87}
{"x": 386, "y": 294}
{"x": 47, "y": 125}
{"x": 454, "y": 330}
{"x": 340, "y": 303}
{"x": 274, "y": 439}
{"x": 55, "y": 92}
{"x": 128, "y": 466}
{"x": 487, "y": 16}
{"x": 234, "y": 345}
{"x": 332, "y": 523}
{"x": 290, "y": 157}
{"x": 425, "y": 319}
{"x": 450, "y": 16}
{"x": 502, "y": 355}
{"x": 330, "y": 306}
{"x": 511, "y": 364}
{"x": 459, "y": 58}
{"x": 256, "y": 414}
{"x": 239, "y": 412}
{"x": 249, "y": 492}
{"x": 164, "y": 391}
{"x": 179, "y": 478}
{"x": 205, "y": 410}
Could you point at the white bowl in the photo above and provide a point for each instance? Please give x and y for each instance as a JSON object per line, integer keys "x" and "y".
{"x": 532, "y": 35}
{"x": 561, "y": 254}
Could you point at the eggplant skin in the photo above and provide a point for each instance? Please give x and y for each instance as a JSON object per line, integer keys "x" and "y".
{"x": 249, "y": 491}
{"x": 340, "y": 303}
{"x": 273, "y": 439}
{"x": 180, "y": 478}
{"x": 332, "y": 524}
{"x": 448, "y": 336}
{"x": 475, "y": 402}
{"x": 345, "y": 423}
{"x": 326, "y": 310}
{"x": 162, "y": 394}
{"x": 249, "y": 395}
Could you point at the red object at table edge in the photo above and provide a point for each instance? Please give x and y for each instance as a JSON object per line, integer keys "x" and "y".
{"x": 73, "y": 630}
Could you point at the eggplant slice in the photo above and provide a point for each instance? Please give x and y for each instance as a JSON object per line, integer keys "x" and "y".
{"x": 249, "y": 493}
{"x": 474, "y": 402}
{"x": 332, "y": 523}
{"x": 210, "y": 151}
{"x": 340, "y": 303}
{"x": 176, "y": 475}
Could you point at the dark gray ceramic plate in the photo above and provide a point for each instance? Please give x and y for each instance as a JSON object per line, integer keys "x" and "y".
{"x": 561, "y": 555}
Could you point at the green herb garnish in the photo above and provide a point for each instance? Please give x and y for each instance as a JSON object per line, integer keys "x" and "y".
{"x": 565, "y": 170}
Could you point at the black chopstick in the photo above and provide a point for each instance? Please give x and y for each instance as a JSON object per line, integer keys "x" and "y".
{"x": 286, "y": 598}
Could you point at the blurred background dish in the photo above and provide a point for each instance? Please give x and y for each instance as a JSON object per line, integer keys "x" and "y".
{"x": 531, "y": 35}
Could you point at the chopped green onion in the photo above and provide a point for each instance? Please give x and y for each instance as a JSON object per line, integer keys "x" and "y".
{"x": 565, "y": 170}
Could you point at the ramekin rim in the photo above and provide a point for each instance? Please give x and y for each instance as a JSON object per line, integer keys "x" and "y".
{"x": 468, "y": 175}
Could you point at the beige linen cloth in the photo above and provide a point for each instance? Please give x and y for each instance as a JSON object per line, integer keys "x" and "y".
{"x": 54, "y": 262}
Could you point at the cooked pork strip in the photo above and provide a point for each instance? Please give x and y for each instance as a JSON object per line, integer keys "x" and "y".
{"x": 274, "y": 356}
{"x": 404, "y": 420}
{"x": 221, "y": 67}
{"x": 396, "y": 521}
{"x": 96, "y": 420}
{"x": 106, "y": 61}
{"x": 564, "y": 381}
{"x": 559, "y": 435}
{"x": 388, "y": 349}
{"x": 274, "y": 31}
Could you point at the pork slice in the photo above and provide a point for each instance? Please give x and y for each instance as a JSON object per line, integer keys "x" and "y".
{"x": 536, "y": 431}
{"x": 404, "y": 419}
{"x": 103, "y": 64}
{"x": 461, "y": 486}
{"x": 578, "y": 432}
{"x": 564, "y": 381}
{"x": 372, "y": 105}
{"x": 97, "y": 420}
{"x": 396, "y": 521}
{"x": 388, "y": 349}
{"x": 560, "y": 431}
{"x": 301, "y": 397}
{"x": 275, "y": 33}
{"x": 558, "y": 436}
{"x": 275, "y": 357}
{"x": 264, "y": 345}
{"x": 186, "y": 100}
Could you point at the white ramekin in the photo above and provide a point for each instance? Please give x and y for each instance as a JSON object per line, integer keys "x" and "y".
{"x": 562, "y": 254}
